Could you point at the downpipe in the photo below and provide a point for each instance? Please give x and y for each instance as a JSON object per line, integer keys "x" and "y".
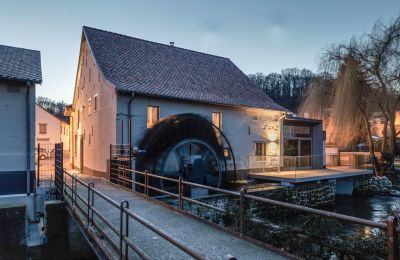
{"x": 28, "y": 141}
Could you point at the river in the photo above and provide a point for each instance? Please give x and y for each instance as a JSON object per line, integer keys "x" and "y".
{"x": 372, "y": 208}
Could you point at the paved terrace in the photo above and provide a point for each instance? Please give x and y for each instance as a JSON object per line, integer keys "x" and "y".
{"x": 205, "y": 239}
{"x": 299, "y": 176}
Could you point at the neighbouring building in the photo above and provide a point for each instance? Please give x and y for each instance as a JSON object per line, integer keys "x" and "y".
{"x": 20, "y": 71}
{"x": 193, "y": 113}
{"x": 51, "y": 129}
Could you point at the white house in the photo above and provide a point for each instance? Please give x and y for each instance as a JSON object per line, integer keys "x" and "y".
{"x": 192, "y": 112}
{"x": 20, "y": 71}
{"x": 50, "y": 129}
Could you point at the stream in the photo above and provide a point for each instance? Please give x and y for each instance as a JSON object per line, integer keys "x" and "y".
{"x": 372, "y": 208}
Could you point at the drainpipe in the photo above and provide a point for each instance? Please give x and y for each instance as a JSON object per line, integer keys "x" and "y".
{"x": 28, "y": 140}
{"x": 130, "y": 120}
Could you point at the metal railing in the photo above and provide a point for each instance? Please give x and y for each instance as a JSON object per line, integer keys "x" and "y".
{"x": 92, "y": 217}
{"x": 391, "y": 226}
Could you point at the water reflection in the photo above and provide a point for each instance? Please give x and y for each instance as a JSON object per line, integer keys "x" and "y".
{"x": 373, "y": 208}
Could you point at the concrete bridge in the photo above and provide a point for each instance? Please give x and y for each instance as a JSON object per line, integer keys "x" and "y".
{"x": 153, "y": 230}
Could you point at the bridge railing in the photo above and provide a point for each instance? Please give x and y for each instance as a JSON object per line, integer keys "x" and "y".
{"x": 118, "y": 238}
{"x": 390, "y": 226}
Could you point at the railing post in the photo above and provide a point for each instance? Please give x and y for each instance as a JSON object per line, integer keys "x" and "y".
{"x": 123, "y": 254}
{"x": 180, "y": 191}
{"x": 92, "y": 203}
{"x": 392, "y": 238}
{"x": 121, "y": 175}
{"x": 89, "y": 201}
{"x": 242, "y": 211}
{"x": 146, "y": 183}
{"x": 74, "y": 189}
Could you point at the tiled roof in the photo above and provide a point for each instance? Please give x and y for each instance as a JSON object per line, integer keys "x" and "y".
{"x": 20, "y": 64}
{"x": 159, "y": 70}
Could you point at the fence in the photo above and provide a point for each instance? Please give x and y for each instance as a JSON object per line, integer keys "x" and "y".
{"x": 45, "y": 163}
{"x": 84, "y": 198}
{"x": 390, "y": 228}
{"x": 59, "y": 170}
{"x": 120, "y": 155}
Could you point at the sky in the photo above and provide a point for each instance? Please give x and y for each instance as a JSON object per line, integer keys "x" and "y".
{"x": 258, "y": 36}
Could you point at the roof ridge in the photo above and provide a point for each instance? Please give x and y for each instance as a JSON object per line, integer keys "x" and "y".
{"x": 159, "y": 43}
{"x": 20, "y": 48}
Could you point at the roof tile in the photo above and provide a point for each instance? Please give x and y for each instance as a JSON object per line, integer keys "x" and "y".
{"x": 154, "y": 69}
{"x": 20, "y": 64}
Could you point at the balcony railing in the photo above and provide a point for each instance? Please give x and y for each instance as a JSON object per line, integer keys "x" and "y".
{"x": 308, "y": 164}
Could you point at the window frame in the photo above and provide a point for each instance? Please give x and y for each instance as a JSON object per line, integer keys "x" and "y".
{"x": 40, "y": 128}
{"x": 219, "y": 125}
{"x": 263, "y": 148}
{"x": 151, "y": 124}
{"x": 95, "y": 103}
{"x": 89, "y": 106}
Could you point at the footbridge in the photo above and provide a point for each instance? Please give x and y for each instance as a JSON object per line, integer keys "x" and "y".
{"x": 125, "y": 224}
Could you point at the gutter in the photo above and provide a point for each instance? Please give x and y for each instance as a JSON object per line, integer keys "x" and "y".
{"x": 130, "y": 120}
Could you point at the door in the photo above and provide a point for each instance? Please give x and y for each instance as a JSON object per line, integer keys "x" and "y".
{"x": 290, "y": 153}
{"x": 297, "y": 154}
{"x": 305, "y": 154}
{"x": 81, "y": 154}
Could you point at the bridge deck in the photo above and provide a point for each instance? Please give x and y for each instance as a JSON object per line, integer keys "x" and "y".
{"x": 205, "y": 239}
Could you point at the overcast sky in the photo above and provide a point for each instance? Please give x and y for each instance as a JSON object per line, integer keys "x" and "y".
{"x": 258, "y": 36}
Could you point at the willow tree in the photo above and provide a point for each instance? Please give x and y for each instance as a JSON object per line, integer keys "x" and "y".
{"x": 378, "y": 63}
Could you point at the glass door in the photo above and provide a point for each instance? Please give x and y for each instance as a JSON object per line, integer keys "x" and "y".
{"x": 305, "y": 154}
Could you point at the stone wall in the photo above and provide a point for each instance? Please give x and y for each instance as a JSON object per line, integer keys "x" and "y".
{"x": 12, "y": 226}
{"x": 309, "y": 195}
{"x": 376, "y": 186}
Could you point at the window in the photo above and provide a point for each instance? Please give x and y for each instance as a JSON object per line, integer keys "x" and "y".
{"x": 89, "y": 106}
{"x": 153, "y": 115}
{"x": 95, "y": 103}
{"x": 99, "y": 76}
{"x": 42, "y": 128}
{"x": 90, "y": 73}
{"x": 227, "y": 153}
{"x": 216, "y": 119}
{"x": 290, "y": 131}
{"x": 260, "y": 149}
{"x": 79, "y": 117}
{"x": 76, "y": 145}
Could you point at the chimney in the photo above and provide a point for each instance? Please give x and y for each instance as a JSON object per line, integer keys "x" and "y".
{"x": 172, "y": 44}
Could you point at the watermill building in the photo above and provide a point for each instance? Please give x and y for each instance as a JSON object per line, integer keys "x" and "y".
{"x": 193, "y": 114}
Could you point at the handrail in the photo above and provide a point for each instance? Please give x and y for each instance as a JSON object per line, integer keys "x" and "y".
{"x": 391, "y": 226}
{"x": 124, "y": 210}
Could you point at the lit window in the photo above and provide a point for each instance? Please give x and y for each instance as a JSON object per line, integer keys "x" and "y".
{"x": 216, "y": 119}
{"x": 89, "y": 106}
{"x": 260, "y": 149}
{"x": 227, "y": 153}
{"x": 42, "y": 128}
{"x": 153, "y": 115}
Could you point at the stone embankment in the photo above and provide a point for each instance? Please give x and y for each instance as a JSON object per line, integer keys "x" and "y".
{"x": 311, "y": 195}
{"x": 376, "y": 186}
